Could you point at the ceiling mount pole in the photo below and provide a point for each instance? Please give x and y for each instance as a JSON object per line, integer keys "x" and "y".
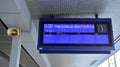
{"x": 96, "y": 15}
{"x": 52, "y": 17}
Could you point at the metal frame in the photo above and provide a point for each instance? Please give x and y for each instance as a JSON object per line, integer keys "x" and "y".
{"x": 57, "y": 48}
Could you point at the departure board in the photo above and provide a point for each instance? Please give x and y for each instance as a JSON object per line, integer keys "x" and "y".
{"x": 73, "y": 34}
{"x": 77, "y": 34}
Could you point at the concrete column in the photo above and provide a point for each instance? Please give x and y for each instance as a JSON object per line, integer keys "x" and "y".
{"x": 15, "y": 52}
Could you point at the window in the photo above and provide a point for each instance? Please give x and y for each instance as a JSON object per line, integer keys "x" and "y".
{"x": 117, "y": 57}
{"x": 112, "y": 61}
{"x": 104, "y": 64}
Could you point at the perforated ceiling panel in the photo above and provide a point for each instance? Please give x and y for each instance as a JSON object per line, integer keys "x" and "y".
{"x": 61, "y": 7}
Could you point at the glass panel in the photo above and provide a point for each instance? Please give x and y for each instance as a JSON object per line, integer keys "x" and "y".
{"x": 112, "y": 61}
{"x": 117, "y": 56}
{"x": 104, "y": 64}
{"x": 99, "y": 66}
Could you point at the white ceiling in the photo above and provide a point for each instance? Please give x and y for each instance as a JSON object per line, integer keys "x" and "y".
{"x": 76, "y": 9}
{"x": 63, "y": 7}
{"x": 67, "y": 7}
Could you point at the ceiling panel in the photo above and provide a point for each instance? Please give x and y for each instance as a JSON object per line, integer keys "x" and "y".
{"x": 59, "y": 7}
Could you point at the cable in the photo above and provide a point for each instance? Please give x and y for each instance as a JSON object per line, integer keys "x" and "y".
{"x": 117, "y": 39}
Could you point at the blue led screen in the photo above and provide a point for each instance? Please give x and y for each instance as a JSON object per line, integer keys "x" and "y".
{"x": 76, "y": 39}
{"x": 69, "y": 28}
{"x": 70, "y": 34}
